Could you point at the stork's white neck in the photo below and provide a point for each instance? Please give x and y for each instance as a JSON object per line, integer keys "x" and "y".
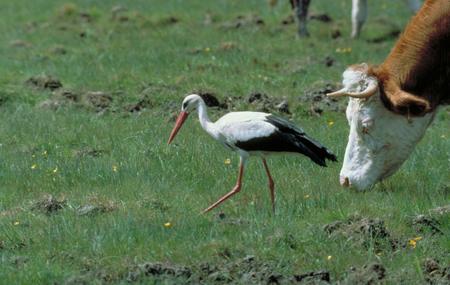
{"x": 207, "y": 125}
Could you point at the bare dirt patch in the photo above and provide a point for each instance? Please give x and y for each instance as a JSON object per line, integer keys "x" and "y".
{"x": 318, "y": 101}
{"x": 362, "y": 231}
{"x": 373, "y": 273}
{"x": 117, "y": 11}
{"x": 158, "y": 271}
{"x": 319, "y": 277}
{"x": 264, "y": 103}
{"x": 321, "y": 17}
{"x": 98, "y": 100}
{"x": 97, "y": 206}
{"x": 20, "y": 44}
{"x": 289, "y": 20}
{"x": 423, "y": 224}
{"x": 329, "y": 61}
{"x": 393, "y": 34}
{"x": 241, "y": 21}
{"x": 441, "y": 211}
{"x": 435, "y": 273}
{"x": 142, "y": 104}
{"x": 43, "y": 82}
{"x": 336, "y": 33}
{"x": 211, "y": 99}
{"x": 247, "y": 270}
{"x": 60, "y": 98}
{"x": 91, "y": 277}
{"x": 49, "y": 204}
{"x": 431, "y": 222}
{"x": 71, "y": 13}
{"x": 102, "y": 101}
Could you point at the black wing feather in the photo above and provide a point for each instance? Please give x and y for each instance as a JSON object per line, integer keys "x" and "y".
{"x": 288, "y": 138}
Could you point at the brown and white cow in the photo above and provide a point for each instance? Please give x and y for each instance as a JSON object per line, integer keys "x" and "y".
{"x": 391, "y": 105}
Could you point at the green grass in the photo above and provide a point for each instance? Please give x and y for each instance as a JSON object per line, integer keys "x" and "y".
{"x": 155, "y": 184}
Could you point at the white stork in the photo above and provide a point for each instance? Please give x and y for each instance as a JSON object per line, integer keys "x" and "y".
{"x": 252, "y": 133}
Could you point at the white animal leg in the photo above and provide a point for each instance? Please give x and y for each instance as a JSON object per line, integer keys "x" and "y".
{"x": 359, "y": 16}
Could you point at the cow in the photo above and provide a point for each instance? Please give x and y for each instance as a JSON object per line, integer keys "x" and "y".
{"x": 391, "y": 105}
{"x": 359, "y": 14}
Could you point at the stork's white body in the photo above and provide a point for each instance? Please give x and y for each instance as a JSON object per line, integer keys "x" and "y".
{"x": 242, "y": 126}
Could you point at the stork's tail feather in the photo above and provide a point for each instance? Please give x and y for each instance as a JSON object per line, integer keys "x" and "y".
{"x": 294, "y": 139}
{"x": 315, "y": 151}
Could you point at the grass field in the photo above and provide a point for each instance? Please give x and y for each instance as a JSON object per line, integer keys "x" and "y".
{"x": 91, "y": 194}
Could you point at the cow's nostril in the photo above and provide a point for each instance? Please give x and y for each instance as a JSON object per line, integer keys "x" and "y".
{"x": 345, "y": 182}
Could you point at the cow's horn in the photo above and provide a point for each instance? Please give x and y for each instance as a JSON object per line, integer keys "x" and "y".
{"x": 339, "y": 93}
{"x": 369, "y": 91}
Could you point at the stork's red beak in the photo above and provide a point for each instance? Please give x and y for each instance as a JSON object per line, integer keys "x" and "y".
{"x": 180, "y": 120}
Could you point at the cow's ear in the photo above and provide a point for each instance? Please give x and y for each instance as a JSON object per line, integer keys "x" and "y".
{"x": 406, "y": 103}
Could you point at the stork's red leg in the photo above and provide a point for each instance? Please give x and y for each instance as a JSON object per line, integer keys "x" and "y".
{"x": 235, "y": 190}
{"x": 271, "y": 184}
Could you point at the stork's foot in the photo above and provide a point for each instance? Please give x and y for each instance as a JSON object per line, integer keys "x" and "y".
{"x": 235, "y": 190}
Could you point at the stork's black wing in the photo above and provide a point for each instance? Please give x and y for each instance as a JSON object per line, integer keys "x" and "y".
{"x": 288, "y": 138}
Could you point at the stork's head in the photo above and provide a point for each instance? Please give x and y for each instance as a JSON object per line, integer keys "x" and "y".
{"x": 189, "y": 104}
{"x": 379, "y": 140}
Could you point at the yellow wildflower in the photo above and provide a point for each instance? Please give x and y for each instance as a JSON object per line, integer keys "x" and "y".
{"x": 34, "y": 166}
{"x": 329, "y": 257}
{"x": 168, "y": 225}
{"x": 227, "y": 161}
{"x": 16, "y": 223}
{"x": 330, "y": 123}
{"x": 306, "y": 196}
{"x": 413, "y": 242}
{"x": 115, "y": 168}
{"x": 55, "y": 170}
{"x": 207, "y": 49}
{"x": 44, "y": 153}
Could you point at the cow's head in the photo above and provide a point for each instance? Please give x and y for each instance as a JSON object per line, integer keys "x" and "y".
{"x": 380, "y": 139}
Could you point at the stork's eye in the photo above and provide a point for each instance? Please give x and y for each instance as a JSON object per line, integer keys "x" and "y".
{"x": 185, "y": 105}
